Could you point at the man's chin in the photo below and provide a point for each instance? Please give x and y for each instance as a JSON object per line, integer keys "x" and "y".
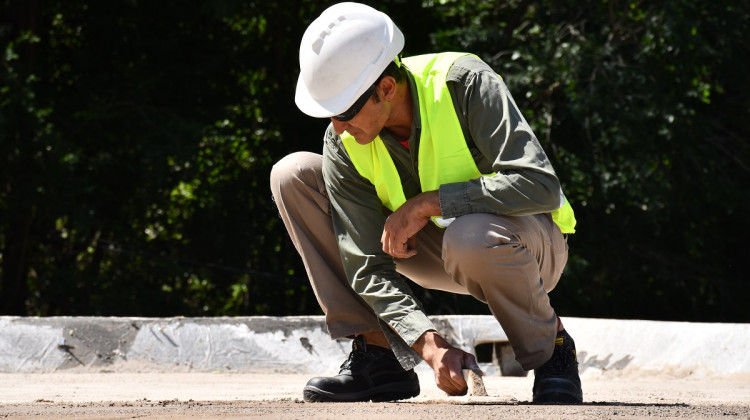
{"x": 362, "y": 138}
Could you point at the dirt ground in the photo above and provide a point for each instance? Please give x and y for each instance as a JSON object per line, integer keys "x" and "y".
{"x": 169, "y": 395}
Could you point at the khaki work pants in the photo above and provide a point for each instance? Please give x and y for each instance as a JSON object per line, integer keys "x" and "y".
{"x": 510, "y": 263}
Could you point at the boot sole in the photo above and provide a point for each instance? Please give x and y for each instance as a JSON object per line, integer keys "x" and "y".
{"x": 388, "y": 392}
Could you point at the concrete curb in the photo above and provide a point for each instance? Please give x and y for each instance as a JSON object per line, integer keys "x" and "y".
{"x": 302, "y": 345}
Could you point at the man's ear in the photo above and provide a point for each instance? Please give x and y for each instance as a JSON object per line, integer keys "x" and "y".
{"x": 387, "y": 88}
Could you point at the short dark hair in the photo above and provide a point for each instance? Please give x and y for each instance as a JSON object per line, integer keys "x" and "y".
{"x": 396, "y": 70}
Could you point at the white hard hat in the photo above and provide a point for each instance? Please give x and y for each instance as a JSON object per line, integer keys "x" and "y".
{"x": 342, "y": 53}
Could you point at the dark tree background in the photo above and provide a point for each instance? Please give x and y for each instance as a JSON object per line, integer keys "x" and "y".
{"x": 137, "y": 138}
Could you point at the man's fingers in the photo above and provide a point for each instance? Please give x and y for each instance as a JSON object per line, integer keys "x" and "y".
{"x": 404, "y": 253}
{"x": 407, "y": 249}
{"x": 470, "y": 362}
{"x": 459, "y": 383}
{"x": 450, "y": 378}
{"x": 449, "y": 384}
{"x": 398, "y": 247}
{"x": 389, "y": 243}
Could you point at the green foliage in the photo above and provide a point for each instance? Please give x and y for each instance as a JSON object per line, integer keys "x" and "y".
{"x": 139, "y": 140}
{"x": 138, "y": 137}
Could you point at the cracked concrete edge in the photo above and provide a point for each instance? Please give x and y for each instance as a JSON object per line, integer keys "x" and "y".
{"x": 301, "y": 344}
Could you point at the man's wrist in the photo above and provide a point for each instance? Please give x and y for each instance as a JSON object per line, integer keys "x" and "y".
{"x": 426, "y": 345}
{"x": 430, "y": 204}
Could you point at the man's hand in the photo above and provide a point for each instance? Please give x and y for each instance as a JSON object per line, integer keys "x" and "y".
{"x": 446, "y": 361}
{"x": 400, "y": 231}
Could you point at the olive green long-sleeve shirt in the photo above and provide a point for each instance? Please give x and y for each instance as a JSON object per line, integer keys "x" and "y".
{"x": 500, "y": 141}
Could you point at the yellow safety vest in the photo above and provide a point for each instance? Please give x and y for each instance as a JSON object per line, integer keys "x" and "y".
{"x": 443, "y": 156}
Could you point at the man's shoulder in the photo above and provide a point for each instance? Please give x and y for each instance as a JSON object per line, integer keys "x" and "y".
{"x": 333, "y": 148}
{"x": 465, "y": 67}
{"x": 331, "y": 139}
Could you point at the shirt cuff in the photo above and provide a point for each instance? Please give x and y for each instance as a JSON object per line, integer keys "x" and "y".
{"x": 454, "y": 199}
{"x": 401, "y": 335}
{"x": 412, "y": 326}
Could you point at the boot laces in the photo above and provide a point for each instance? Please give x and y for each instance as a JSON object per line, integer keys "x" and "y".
{"x": 564, "y": 358}
{"x": 357, "y": 353}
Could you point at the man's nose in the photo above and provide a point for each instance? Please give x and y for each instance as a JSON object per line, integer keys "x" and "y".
{"x": 339, "y": 126}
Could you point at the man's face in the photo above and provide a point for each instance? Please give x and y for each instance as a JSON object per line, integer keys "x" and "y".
{"x": 367, "y": 123}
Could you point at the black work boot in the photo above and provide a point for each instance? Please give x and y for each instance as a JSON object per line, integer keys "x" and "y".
{"x": 371, "y": 373}
{"x": 557, "y": 381}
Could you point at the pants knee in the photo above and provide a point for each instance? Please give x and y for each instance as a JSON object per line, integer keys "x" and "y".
{"x": 292, "y": 169}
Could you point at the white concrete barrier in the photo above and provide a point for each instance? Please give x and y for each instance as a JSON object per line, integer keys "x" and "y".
{"x": 302, "y": 344}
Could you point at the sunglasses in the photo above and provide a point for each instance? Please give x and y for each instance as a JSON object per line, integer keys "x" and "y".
{"x": 357, "y": 106}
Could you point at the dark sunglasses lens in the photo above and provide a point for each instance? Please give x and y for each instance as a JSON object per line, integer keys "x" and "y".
{"x": 357, "y": 106}
{"x": 348, "y": 115}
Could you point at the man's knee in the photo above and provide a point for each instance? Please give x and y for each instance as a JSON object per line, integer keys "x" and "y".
{"x": 295, "y": 168}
